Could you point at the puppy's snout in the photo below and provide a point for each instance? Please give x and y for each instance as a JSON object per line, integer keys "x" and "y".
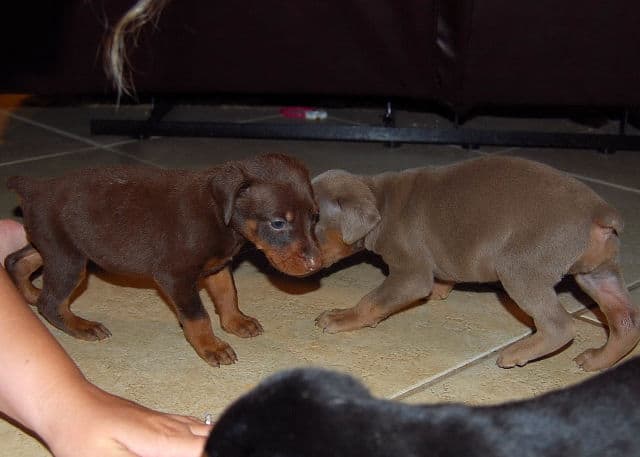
{"x": 313, "y": 263}
{"x": 312, "y": 259}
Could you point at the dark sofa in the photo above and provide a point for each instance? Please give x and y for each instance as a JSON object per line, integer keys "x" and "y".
{"x": 460, "y": 54}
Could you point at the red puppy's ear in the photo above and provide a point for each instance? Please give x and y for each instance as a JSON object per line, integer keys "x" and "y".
{"x": 357, "y": 219}
{"x": 225, "y": 187}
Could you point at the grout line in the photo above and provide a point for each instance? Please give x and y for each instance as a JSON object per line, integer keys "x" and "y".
{"x": 596, "y": 323}
{"x": 138, "y": 159}
{"x": 421, "y": 385}
{"x": 606, "y": 183}
{"x": 575, "y": 175}
{"x": 129, "y": 156}
{"x": 634, "y": 285}
{"x": 64, "y": 153}
{"x": 107, "y": 147}
{"x": 52, "y": 129}
{"x": 46, "y": 156}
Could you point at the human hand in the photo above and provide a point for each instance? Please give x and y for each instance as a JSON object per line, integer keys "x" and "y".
{"x": 12, "y": 238}
{"x": 105, "y": 425}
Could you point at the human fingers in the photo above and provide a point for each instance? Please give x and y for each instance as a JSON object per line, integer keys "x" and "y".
{"x": 196, "y": 426}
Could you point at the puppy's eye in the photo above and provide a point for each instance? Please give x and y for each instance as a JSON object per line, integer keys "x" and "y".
{"x": 315, "y": 217}
{"x": 278, "y": 224}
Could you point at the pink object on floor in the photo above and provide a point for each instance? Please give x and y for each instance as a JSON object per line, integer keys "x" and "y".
{"x": 303, "y": 112}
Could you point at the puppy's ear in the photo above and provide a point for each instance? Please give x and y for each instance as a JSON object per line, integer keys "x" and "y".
{"x": 357, "y": 219}
{"x": 225, "y": 187}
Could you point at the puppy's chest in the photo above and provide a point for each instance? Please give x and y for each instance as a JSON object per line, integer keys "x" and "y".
{"x": 221, "y": 258}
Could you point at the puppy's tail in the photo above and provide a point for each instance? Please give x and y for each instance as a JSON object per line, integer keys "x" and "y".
{"x": 609, "y": 218}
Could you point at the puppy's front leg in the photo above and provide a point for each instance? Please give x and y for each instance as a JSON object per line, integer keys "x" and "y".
{"x": 441, "y": 289}
{"x": 194, "y": 319}
{"x": 222, "y": 290}
{"x": 398, "y": 291}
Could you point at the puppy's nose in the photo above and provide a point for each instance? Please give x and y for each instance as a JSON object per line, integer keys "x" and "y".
{"x": 313, "y": 263}
{"x": 312, "y": 259}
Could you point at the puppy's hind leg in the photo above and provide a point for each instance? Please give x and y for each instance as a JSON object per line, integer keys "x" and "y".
{"x": 20, "y": 266}
{"x": 61, "y": 275}
{"x": 554, "y": 326}
{"x": 606, "y": 286}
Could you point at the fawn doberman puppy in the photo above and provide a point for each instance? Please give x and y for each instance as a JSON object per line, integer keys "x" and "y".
{"x": 490, "y": 219}
{"x": 173, "y": 226}
{"x": 318, "y": 413}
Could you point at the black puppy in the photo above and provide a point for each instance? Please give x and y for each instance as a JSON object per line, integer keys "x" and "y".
{"x": 317, "y": 413}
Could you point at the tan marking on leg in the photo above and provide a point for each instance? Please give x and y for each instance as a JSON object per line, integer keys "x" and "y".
{"x": 208, "y": 346}
{"x": 364, "y": 314}
{"x": 441, "y": 289}
{"x": 222, "y": 290}
{"x": 606, "y": 286}
{"x": 397, "y": 292}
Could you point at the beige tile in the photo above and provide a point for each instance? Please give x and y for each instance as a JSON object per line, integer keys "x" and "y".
{"x": 148, "y": 360}
{"x": 450, "y": 345}
{"x": 20, "y": 141}
{"x": 486, "y": 383}
{"x": 621, "y": 168}
{"x": 75, "y": 121}
{"x": 318, "y": 155}
{"x": 15, "y": 442}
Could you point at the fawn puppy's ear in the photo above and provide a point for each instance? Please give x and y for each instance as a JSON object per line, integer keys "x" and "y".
{"x": 357, "y": 218}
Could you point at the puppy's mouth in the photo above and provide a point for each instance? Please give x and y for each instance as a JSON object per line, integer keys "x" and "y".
{"x": 294, "y": 262}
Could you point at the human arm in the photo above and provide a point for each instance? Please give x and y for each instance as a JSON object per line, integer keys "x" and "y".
{"x": 43, "y": 389}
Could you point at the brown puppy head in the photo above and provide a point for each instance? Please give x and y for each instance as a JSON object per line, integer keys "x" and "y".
{"x": 269, "y": 200}
{"x": 348, "y": 212}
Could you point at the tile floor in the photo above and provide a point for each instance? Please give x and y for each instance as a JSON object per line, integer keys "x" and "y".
{"x": 438, "y": 351}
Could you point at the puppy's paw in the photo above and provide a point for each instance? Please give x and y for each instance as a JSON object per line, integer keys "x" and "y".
{"x": 441, "y": 290}
{"x": 220, "y": 354}
{"x": 242, "y": 326}
{"x": 88, "y": 330}
{"x": 592, "y": 360}
{"x": 341, "y": 320}
{"x": 510, "y": 359}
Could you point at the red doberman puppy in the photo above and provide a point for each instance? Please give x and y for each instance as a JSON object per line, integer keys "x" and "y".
{"x": 173, "y": 226}
{"x": 489, "y": 219}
